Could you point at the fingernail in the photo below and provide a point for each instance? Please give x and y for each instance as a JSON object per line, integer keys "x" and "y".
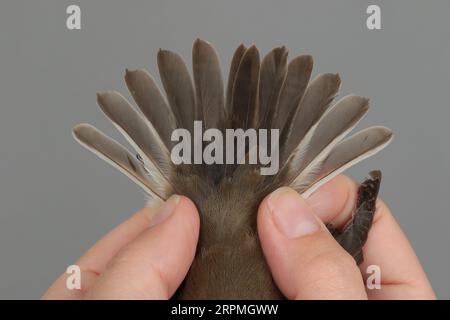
{"x": 290, "y": 213}
{"x": 165, "y": 210}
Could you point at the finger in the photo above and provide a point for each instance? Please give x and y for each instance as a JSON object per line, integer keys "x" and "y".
{"x": 387, "y": 247}
{"x": 402, "y": 276}
{"x": 334, "y": 201}
{"x": 61, "y": 290}
{"x": 305, "y": 260}
{"x": 94, "y": 261}
{"x": 97, "y": 257}
{"x": 154, "y": 264}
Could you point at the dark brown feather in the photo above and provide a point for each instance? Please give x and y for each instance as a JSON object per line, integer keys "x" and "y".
{"x": 244, "y": 103}
{"x": 297, "y": 78}
{"x": 208, "y": 84}
{"x": 178, "y": 86}
{"x": 235, "y": 61}
{"x": 273, "y": 73}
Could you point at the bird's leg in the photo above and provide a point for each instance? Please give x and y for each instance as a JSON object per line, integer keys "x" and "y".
{"x": 354, "y": 235}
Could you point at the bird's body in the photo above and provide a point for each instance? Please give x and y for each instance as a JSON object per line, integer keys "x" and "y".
{"x": 261, "y": 95}
{"x": 229, "y": 262}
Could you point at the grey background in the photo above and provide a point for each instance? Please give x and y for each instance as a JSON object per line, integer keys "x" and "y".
{"x": 56, "y": 199}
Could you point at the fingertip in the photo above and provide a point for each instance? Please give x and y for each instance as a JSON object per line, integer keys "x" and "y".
{"x": 183, "y": 224}
{"x": 188, "y": 212}
{"x": 180, "y": 207}
{"x": 335, "y": 200}
{"x": 285, "y": 213}
{"x": 187, "y": 205}
{"x": 153, "y": 265}
{"x": 304, "y": 259}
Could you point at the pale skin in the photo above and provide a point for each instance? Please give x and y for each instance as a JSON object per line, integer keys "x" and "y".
{"x": 148, "y": 256}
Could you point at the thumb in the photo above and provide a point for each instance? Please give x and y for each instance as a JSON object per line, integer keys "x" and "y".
{"x": 305, "y": 260}
{"x": 154, "y": 264}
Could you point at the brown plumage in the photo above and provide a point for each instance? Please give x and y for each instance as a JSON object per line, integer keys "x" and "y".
{"x": 262, "y": 94}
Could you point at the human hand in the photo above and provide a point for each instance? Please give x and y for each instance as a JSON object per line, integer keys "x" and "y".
{"x": 132, "y": 261}
{"x": 146, "y": 257}
{"x": 307, "y": 262}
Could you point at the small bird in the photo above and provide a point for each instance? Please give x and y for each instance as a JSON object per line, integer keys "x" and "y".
{"x": 271, "y": 93}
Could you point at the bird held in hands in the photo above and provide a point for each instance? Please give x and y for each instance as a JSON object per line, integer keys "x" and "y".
{"x": 268, "y": 95}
